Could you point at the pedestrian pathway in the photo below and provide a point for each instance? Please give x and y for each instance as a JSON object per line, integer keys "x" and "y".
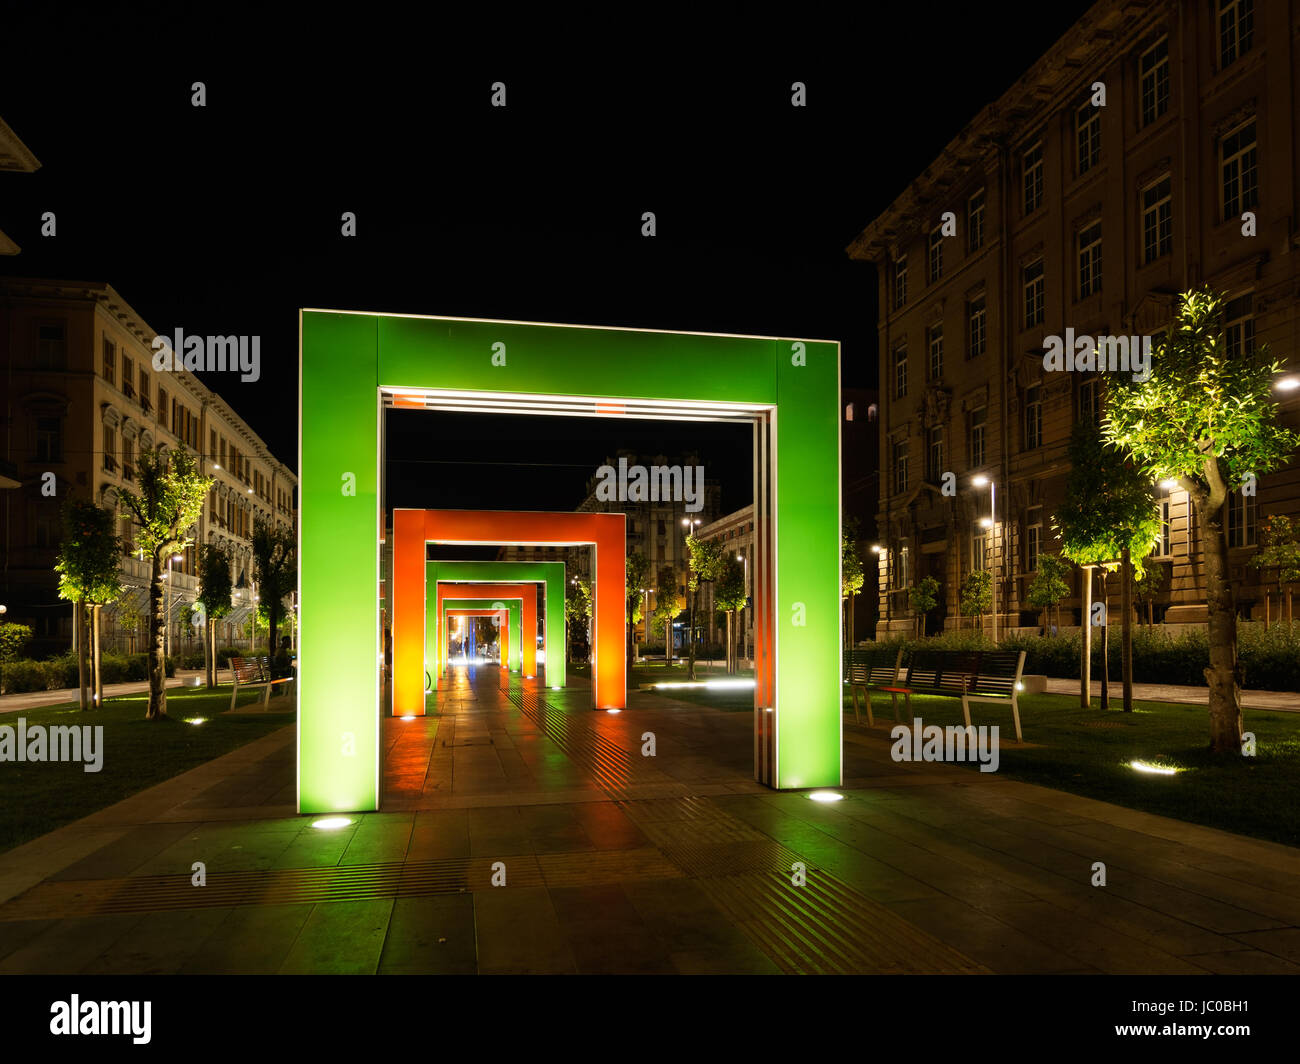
{"x": 1285, "y": 701}
{"x": 36, "y": 699}
{"x": 522, "y": 832}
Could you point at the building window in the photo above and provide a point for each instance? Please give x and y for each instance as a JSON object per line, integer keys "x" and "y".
{"x": 937, "y": 465}
{"x": 1035, "y": 296}
{"x": 1032, "y": 176}
{"x": 977, "y": 437}
{"x": 1033, "y": 538}
{"x": 1236, "y": 30}
{"x": 975, "y": 222}
{"x": 110, "y": 448}
{"x": 1241, "y": 522}
{"x": 900, "y": 282}
{"x": 1165, "y": 544}
{"x": 935, "y": 344}
{"x": 1239, "y": 326}
{"x": 49, "y": 439}
{"x": 1153, "y": 68}
{"x": 1087, "y": 137}
{"x": 110, "y": 361}
{"x": 934, "y": 259}
{"x": 1090, "y": 404}
{"x": 1033, "y": 417}
{"x": 128, "y": 458}
{"x": 51, "y": 346}
{"x": 1090, "y": 260}
{"x": 1157, "y": 220}
{"x": 900, "y": 572}
{"x": 128, "y": 376}
{"x": 144, "y": 389}
{"x": 1240, "y": 172}
{"x": 900, "y": 371}
{"x": 979, "y": 548}
{"x": 900, "y": 466}
{"x": 162, "y": 405}
{"x": 976, "y": 327}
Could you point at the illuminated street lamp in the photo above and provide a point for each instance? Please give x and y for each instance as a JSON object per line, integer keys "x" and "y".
{"x": 167, "y": 631}
{"x": 1288, "y": 384}
{"x": 990, "y": 522}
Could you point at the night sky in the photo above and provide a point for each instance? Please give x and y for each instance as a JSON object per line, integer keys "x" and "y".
{"x": 226, "y": 219}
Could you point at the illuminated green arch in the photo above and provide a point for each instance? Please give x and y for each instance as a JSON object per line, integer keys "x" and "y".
{"x": 353, "y": 365}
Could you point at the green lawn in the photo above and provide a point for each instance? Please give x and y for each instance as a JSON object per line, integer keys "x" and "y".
{"x": 1088, "y": 752}
{"x": 37, "y": 798}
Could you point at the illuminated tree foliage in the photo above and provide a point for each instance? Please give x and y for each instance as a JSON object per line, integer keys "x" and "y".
{"x": 1206, "y": 418}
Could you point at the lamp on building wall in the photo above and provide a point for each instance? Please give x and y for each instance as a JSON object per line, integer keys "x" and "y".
{"x": 990, "y": 522}
{"x": 1288, "y": 384}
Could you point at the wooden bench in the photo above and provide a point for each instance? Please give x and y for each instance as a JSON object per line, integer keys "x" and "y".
{"x": 971, "y": 675}
{"x": 253, "y": 672}
{"x": 866, "y": 669}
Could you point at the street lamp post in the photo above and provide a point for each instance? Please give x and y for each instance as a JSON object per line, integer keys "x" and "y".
{"x": 167, "y": 630}
{"x": 744, "y": 631}
{"x": 690, "y": 523}
{"x": 979, "y": 482}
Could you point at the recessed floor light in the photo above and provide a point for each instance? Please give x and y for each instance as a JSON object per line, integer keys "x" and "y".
{"x": 826, "y": 796}
{"x": 331, "y": 823}
{"x": 1157, "y": 770}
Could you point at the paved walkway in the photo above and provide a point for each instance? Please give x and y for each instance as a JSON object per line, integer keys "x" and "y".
{"x": 35, "y": 699}
{"x": 1285, "y": 701}
{"x": 615, "y": 862}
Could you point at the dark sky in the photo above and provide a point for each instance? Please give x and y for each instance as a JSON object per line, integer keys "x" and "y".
{"x": 225, "y": 219}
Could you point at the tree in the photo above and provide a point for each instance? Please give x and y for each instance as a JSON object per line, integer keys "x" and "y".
{"x": 1147, "y": 584}
{"x": 729, "y": 596}
{"x": 1280, "y": 550}
{"x": 1109, "y": 517}
{"x": 637, "y": 568}
{"x": 214, "y": 595}
{"x": 924, "y": 596}
{"x": 1206, "y": 418}
{"x": 13, "y": 637}
{"x": 976, "y": 594}
{"x": 577, "y": 610}
{"x": 275, "y": 558}
{"x": 668, "y": 604}
{"x": 168, "y": 504}
{"x": 1049, "y": 585}
{"x": 90, "y": 574}
{"x": 708, "y": 556}
{"x": 851, "y": 573}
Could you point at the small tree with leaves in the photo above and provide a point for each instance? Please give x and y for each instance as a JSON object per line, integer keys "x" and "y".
{"x": 1206, "y": 418}
{"x": 275, "y": 556}
{"x": 668, "y": 604}
{"x": 1147, "y": 584}
{"x": 852, "y": 575}
{"x": 215, "y": 597}
{"x": 924, "y": 597}
{"x": 168, "y": 504}
{"x": 976, "y": 595}
{"x": 729, "y": 596}
{"x": 1109, "y": 518}
{"x": 577, "y": 612}
{"x": 707, "y": 558}
{"x": 637, "y": 570}
{"x": 1280, "y": 551}
{"x": 90, "y": 574}
{"x": 1049, "y": 585}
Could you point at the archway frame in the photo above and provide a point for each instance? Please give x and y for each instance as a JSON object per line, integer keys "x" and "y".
{"x": 353, "y": 365}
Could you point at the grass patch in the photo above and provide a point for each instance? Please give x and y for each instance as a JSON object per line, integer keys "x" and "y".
{"x": 1088, "y": 752}
{"x": 39, "y": 797}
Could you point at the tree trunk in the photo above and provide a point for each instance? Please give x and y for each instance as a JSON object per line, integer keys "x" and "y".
{"x": 690, "y": 661}
{"x": 1085, "y": 642}
{"x": 96, "y": 673}
{"x": 80, "y": 607}
{"x": 1126, "y": 605}
{"x": 157, "y": 665}
{"x": 1223, "y": 676}
{"x": 210, "y": 651}
{"x": 1105, "y": 639}
{"x": 731, "y": 647}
